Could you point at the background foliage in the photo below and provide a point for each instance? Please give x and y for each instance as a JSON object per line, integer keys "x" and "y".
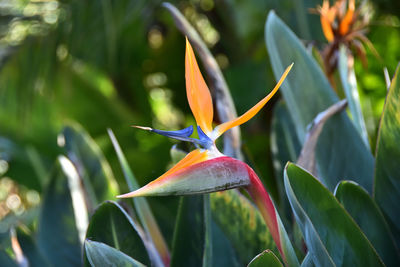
{"x": 71, "y": 69}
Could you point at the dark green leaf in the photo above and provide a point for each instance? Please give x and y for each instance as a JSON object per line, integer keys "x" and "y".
{"x": 111, "y": 225}
{"x": 306, "y": 82}
{"x": 387, "y": 171}
{"x": 93, "y": 168}
{"x": 367, "y": 215}
{"x": 221, "y": 245}
{"x": 31, "y": 250}
{"x": 242, "y": 224}
{"x": 58, "y": 236}
{"x": 331, "y": 235}
{"x": 266, "y": 258}
{"x": 192, "y": 237}
{"x": 99, "y": 254}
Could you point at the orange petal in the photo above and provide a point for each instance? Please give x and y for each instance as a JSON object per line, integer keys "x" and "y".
{"x": 327, "y": 29}
{"x": 220, "y": 129}
{"x": 326, "y": 20}
{"x": 198, "y": 95}
{"x": 192, "y": 158}
{"x": 327, "y": 17}
{"x": 348, "y": 19}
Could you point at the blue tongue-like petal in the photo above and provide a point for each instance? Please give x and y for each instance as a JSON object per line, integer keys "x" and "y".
{"x": 205, "y": 141}
{"x": 183, "y": 135}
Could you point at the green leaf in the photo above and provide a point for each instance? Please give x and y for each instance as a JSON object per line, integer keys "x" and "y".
{"x": 387, "y": 172}
{"x": 367, "y": 215}
{"x": 285, "y": 147}
{"x": 93, "y": 168}
{"x": 99, "y": 254}
{"x": 141, "y": 205}
{"x": 192, "y": 237}
{"x": 111, "y": 225}
{"x": 307, "y": 84}
{"x": 57, "y": 235}
{"x": 265, "y": 258}
{"x": 349, "y": 83}
{"x": 241, "y": 223}
{"x": 221, "y": 245}
{"x": 331, "y": 235}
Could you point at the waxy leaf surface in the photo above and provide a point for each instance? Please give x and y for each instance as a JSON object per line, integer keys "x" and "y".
{"x": 266, "y": 258}
{"x": 331, "y": 235}
{"x": 387, "y": 170}
{"x": 367, "y": 215}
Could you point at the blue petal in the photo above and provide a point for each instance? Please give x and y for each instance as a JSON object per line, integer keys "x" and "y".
{"x": 175, "y": 134}
{"x": 205, "y": 141}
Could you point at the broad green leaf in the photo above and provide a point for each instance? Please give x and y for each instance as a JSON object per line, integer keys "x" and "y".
{"x": 93, "y": 168}
{"x": 307, "y": 92}
{"x": 141, "y": 205}
{"x": 265, "y": 258}
{"x": 111, "y": 225}
{"x": 367, "y": 215}
{"x": 241, "y": 223}
{"x": 57, "y": 235}
{"x": 221, "y": 245}
{"x": 100, "y": 254}
{"x": 31, "y": 250}
{"x": 331, "y": 235}
{"x": 349, "y": 84}
{"x": 387, "y": 171}
{"x": 192, "y": 237}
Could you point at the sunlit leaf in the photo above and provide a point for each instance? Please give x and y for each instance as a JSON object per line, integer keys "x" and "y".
{"x": 93, "y": 168}
{"x": 57, "y": 235}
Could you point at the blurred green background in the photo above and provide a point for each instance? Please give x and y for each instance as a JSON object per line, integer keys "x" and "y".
{"x": 115, "y": 63}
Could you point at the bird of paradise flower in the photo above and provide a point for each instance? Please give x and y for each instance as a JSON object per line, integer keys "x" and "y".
{"x": 346, "y": 27}
{"x": 207, "y": 170}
